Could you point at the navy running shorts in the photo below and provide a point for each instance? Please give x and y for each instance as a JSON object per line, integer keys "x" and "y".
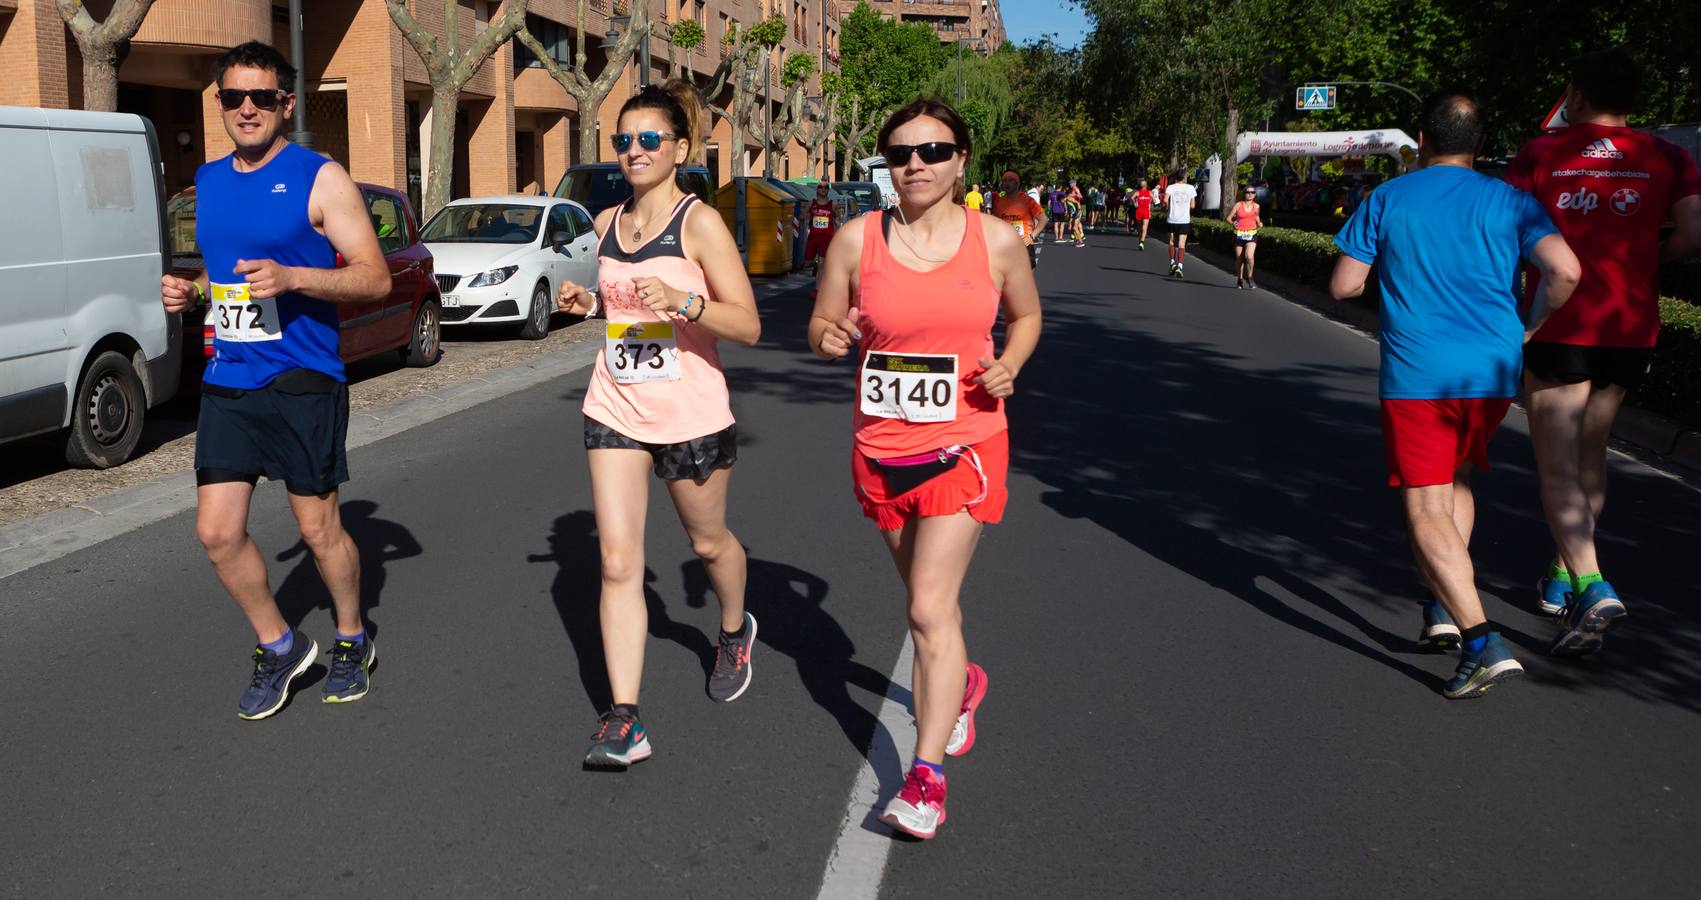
{"x": 294, "y": 430}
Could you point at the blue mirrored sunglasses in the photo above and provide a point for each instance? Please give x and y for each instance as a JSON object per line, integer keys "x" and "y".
{"x": 648, "y": 140}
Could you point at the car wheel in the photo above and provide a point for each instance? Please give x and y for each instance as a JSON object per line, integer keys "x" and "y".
{"x": 425, "y": 347}
{"x": 536, "y": 327}
{"x": 107, "y": 414}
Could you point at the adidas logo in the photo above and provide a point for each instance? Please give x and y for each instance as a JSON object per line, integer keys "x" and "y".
{"x": 1602, "y": 149}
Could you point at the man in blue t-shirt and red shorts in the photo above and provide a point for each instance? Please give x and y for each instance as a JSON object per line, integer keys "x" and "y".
{"x": 271, "y": 219}
{"x": 1452, "y": 349}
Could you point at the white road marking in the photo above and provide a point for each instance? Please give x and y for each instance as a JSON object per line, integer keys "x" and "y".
{"x": 858, "y": 860}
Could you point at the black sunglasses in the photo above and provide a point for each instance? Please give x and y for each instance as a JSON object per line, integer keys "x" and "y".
{"x": 264, "y": 98}
{"x": 649, "y": 140}
{"x": 932, "y": 153}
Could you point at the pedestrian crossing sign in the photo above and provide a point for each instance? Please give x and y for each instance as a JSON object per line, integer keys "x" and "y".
{"x": 1314, "y": 96}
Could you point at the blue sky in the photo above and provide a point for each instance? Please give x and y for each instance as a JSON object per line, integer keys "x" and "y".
{"x": 1025, "y": 20}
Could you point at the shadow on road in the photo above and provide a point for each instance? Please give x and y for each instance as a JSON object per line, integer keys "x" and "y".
{"x": 577, "y": 590}
{"x": 1267, "y": 482}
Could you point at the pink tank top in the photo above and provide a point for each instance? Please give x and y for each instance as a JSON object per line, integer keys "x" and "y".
{"x": 694, "y": 404}
{"x": 1246, "y": 216}
{"x": 915, "y": 326}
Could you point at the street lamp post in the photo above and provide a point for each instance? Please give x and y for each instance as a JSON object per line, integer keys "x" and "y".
{"x": 301, "y": 135}
{"x": 962, "y": 90}
{"x": 611, "y": 39}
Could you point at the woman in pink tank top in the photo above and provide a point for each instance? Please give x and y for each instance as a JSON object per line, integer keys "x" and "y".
{"x": 1246, "y": 222}
{"x": 915, "y": 291}
{"x": 673, "y": 285}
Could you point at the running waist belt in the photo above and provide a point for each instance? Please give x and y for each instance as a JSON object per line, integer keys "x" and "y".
{"x": 906, "y": 473}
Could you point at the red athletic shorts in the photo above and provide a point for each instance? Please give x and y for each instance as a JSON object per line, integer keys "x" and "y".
{"x": 816, "y": 245}
{"x": 974, "y": 484}
{"x": 1426, "y": 440}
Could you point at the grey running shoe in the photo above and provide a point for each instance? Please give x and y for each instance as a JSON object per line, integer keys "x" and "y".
{"x": 731, "y": 675}
{"x": 268, "y": 687}
{"x": 619, "y": 741}
{"x": 351, "y": 668}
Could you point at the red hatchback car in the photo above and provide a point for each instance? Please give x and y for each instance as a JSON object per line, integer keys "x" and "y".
{"x": 409, "y": 321}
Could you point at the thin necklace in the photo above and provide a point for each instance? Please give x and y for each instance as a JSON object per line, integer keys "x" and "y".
{"x": 638, "y": 230}
{"x": 919, "y": 255}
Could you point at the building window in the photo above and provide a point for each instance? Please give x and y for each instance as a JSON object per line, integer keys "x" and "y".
{"x": 554, "y": 37}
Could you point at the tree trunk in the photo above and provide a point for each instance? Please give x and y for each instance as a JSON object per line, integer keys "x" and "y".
{"x": 1229, "y": 177}
{"x": 445, "y": 102}
{"x": 100, "y": 76}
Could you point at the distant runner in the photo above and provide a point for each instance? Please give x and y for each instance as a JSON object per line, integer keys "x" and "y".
{"x": 1246, "y": 222}
{"x": 823, "y": 224}
{"x": 1022, "y": 211}
{"x": 1141, "y": 212}
{"x": 974, "y": 199}
{"x": 1180, "y": 198}
{"x": 1609, "y": 188}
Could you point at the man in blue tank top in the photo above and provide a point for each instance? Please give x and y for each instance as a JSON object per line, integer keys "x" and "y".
{"x": 270, "y": 221}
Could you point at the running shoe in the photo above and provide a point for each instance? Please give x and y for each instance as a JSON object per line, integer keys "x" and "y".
{"x": 1251, "y": 285}
{"x": 1552, "y": 595}
{"x": 1478, "y": 672}
{"x": 731, "y": 675}
{"x": 1439, "y": 631}
{"x": 1587, "y": 620}
{"x": 919, "y": 808}
{"x": 351, "y": 670}
{"x": 963, "y": 733}
{"x": 268, "y": 687}
{"x": 1240, "y": 284}
{"x": 619, "y": 742}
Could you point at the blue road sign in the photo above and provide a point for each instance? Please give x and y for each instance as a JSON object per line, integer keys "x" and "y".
{"x": 1314, "y": 96}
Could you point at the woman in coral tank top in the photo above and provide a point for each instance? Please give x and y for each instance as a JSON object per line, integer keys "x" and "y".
{"x": 915, "y": 292}
{"x": 673, "y": 285}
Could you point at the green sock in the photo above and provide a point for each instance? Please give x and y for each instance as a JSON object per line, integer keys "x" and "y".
{"x": 1581, "y": 583}
{"x": 1556, "y": 571}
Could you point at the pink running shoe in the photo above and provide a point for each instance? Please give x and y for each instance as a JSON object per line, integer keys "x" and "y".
{"x": 963, "y": 733}
{"x": 919, "y": 808}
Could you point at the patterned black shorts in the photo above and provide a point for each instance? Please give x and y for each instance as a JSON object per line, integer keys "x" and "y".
{"x": 695, "y": 459}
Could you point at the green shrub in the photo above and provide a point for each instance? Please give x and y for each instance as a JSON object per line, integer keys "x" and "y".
{"x": 1673, "y": 386}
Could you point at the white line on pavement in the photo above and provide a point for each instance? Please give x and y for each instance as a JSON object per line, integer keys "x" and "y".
{"x": 858, "y": 861}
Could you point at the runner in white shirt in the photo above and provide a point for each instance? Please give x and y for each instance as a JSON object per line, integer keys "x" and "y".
{"x": 1180, "y": 197}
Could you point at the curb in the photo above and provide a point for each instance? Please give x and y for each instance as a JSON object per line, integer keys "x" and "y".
{"x": 51, "y": 535}
{"x": 1671, "y": 442}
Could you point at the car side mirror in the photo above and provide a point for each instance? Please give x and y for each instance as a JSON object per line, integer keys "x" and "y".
{"x": 560, "y": 237}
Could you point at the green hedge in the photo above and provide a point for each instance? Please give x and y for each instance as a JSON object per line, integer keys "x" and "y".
{"x": 1673, "y": 387}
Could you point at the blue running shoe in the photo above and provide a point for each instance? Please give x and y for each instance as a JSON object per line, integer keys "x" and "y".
{"x": 268, "y": 688}
{"x": 1552, "y": 594}
{"x": 1481, "y": 671}
{"x": 1587, "y": 620}
{"x": 1439, "y": 632}
{"x": 351, "y": 669}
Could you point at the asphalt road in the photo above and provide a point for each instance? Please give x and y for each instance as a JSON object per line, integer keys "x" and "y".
{"x": 1197, "y": 620}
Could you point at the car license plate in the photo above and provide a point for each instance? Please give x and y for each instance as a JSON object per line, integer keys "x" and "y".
{"x": 450, "y": 301}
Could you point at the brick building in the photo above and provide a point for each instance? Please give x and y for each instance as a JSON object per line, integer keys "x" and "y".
{"x": 368, "y": 98}
{"x": 952, "y": 20}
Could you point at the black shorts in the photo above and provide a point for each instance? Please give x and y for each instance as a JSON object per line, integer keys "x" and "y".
{"x": 1574, "y": 364}
{"x": 294, "y": 430}
{"x": 1182, "y": 228}
{"x": 695, "y": 459}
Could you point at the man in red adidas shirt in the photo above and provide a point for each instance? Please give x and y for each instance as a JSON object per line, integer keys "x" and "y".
{"x": 1609, "y": 189}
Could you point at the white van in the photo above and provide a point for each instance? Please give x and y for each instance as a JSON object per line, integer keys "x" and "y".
{"x": 85, "y": 345}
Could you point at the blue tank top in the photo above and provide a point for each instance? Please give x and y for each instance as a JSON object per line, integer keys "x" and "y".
{"x": 263, "y": 215}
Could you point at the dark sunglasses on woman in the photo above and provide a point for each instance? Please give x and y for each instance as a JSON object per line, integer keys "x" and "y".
{"x": 264, "y": 98}
{"x": 932, "y": 153}
{"x": 649, "y": 140}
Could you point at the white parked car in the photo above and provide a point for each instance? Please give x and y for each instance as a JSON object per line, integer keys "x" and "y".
{"x": 502, "y": 259}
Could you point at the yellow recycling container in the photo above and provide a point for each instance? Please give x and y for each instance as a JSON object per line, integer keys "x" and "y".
{"x": 772, "y": 215}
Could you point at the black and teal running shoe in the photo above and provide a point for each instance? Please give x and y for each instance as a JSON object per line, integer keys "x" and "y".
{"x": 619, "y": 742}
{"x": 1478, "y": 672}
{"x": 268, "y": 686}
{"x": 351, "y": 670}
